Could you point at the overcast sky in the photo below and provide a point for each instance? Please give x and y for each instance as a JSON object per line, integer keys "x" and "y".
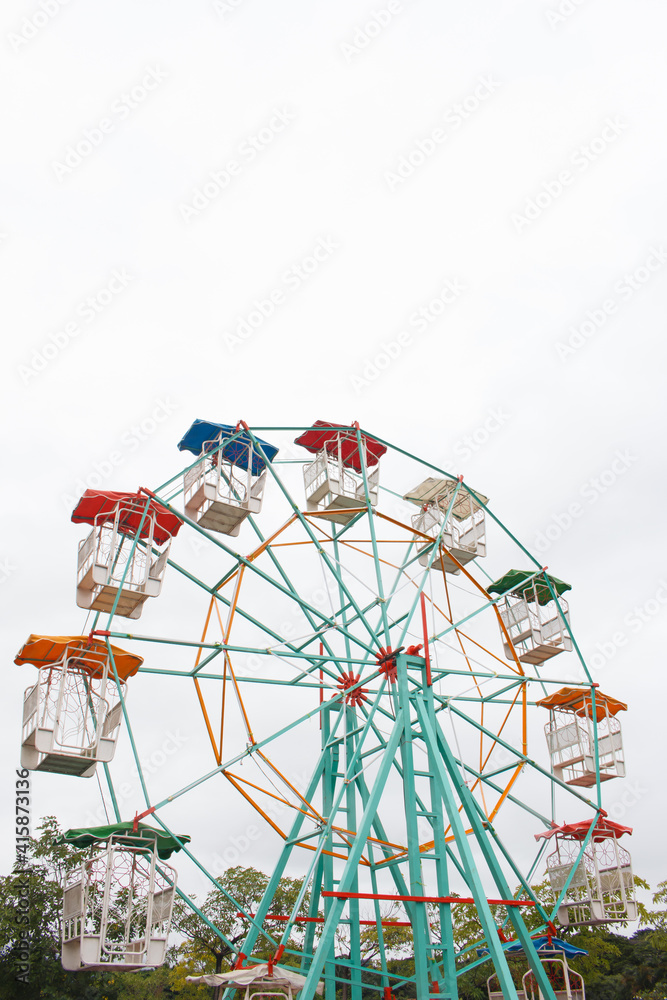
{"x": 446, "y": 221}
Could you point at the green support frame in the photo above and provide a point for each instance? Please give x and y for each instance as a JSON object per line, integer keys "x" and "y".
{"x": 389, "y": 764}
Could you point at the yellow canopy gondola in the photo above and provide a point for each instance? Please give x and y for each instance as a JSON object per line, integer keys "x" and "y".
{"x": 45, "y": 650}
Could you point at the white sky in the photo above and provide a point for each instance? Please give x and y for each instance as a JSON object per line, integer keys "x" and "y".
{"x": 496, "y": 157}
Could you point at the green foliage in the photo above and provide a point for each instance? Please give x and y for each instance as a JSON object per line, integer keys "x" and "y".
{"x": 655, "y": 918}
{"x": 203, "y": 951}
{"x": 616, "y": 967}
{"x": 35, "y": 929}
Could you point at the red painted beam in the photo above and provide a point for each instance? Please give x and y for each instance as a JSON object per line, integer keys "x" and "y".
{"x": 320, "y": 920}
{"x": 426, "y": 899}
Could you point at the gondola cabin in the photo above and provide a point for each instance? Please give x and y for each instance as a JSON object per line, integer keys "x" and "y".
{"x": 122, "y": 561}
{"x": 344, "y": 478}
{"x": 117, "y": 903}
{"x": 553, "y": 954}
{"x": 571, "y": 732}
{"x": 227, "y": 483}
{"x": 72, "y": 714}
{"x": 534, "y": 616}
{"x": 600, "y": 882}
{"x": 452, "y": 512}
{"x": 258, "y": 979}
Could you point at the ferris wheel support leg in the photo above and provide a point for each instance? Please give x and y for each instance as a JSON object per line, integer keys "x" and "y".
{"x": 446, "y": 769}
{"x": 351, "y": 817}
{"x": 263, "y": 908}
{"x": 313, "y": 912}
{"x": 442, "y": 881}
{"x": 325, "y": 949}
{"x": 386, "y": 982}
{"x": 420, "y": 922}
{"x": 332, "y": 752}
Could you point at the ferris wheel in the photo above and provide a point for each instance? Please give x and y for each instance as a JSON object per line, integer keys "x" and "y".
{"x": 363, "y": 603}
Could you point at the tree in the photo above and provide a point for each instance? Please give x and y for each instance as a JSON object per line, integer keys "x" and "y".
{"x": 655, "y": 918}
{"x": 35, "y": 929}
{"x": 204, "y": 951}
{"x": 36, "y": 880}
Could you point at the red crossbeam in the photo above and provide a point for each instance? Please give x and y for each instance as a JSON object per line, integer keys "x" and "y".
{"x": 320, "y": 920}
{"x": 425, "y": 899}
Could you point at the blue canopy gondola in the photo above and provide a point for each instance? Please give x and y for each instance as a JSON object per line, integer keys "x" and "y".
{"x": 205, "y": 436}
{"x": 545, "y": 945}
{"x": 548, "y": 943}
{"x": 553, "y": 953}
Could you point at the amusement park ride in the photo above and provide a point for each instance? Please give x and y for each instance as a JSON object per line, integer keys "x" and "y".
{"x": 424, "y": 673}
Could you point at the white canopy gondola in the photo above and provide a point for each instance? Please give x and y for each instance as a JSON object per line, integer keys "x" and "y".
{"x": 602, "y": 887}
{"x": 264, "y": 980}
{"x": 571, "y": 733}
{"x": 464, "y": 532}
{"x": 125, "y": 555}
{"x": 535, "y": 625}
{"x": 334, "y": 482}
{"x": 227, "y": 483}
{"x": 117, "y": 904}
{"x": 72, "y": 714}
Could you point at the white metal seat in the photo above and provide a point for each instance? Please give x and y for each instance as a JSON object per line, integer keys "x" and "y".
{"x": 219, "y": 496}
{"x": 536, "y": 631}
{"x": 571, "y": 733}
{"x": 117, "y": 908}
{"x": 72, "y": 714}
{"x": 455, "y": 514}
{"x": 114, "y": 565}
{"x": 602, "y": 887}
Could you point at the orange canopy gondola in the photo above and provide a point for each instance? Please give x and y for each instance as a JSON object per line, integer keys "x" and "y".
{"x": 100, "y": 506}
{"x": 578, "y": 700}
{"x": 604, "y": 828}
{"x": 45, "y": 650}
{"x": 323, "y": 434}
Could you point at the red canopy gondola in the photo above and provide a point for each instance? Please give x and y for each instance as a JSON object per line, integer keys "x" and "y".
{"x": 324, "y": 434}
{"x": 100, "y": 506}
{"x": 604, "y": 828}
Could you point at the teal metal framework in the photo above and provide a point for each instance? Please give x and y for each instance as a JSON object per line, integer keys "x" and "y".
{"x": 423, "y": 728}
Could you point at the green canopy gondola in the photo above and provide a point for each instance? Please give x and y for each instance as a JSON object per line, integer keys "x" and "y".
{"x": 521, "y": 582}
{"x": 166, "y": 844}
